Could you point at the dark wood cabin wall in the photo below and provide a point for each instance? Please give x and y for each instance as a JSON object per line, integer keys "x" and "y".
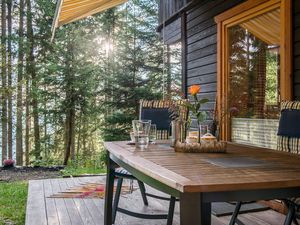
{"x": 202, "y": 47}
{"x": 168, "y": 8}
{"x": 296, "y": 52}
{"x": 172, "y": 32}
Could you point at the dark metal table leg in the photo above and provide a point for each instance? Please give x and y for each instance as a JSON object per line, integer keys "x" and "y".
{"x": 193, "y": 210}
{"x": 110, "y": 176}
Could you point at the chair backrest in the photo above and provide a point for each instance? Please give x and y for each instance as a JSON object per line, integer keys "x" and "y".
{"x": 289, "y": 127}
{"x": 158, "y": 112}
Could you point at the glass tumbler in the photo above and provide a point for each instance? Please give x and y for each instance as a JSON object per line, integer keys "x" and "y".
{"x": 141, "y": 129}
{"x": 203, "y": 129}
{"x": 153, "y": 133}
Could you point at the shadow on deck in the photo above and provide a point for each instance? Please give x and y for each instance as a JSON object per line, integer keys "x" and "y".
{"x": 42, "y": 210}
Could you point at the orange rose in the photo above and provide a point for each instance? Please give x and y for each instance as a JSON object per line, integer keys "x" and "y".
{"x": 194, "y": 89}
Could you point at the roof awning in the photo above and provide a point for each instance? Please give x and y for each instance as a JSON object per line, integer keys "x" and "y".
{"x": 266, "y": 27}
{"x": 68, "y": 11}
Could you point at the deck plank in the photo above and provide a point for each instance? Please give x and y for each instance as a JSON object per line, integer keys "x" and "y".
{"x": 36, "y": 212}
{"x": 84, "y": 212}
{"x": 89, "y": 204}
{"x": 55, "y": 211}
{"x": 63, "y": 215}
{"x": 51, "y": 210}
{"x": 73, "y": 212}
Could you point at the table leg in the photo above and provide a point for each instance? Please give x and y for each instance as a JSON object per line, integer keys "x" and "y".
{"x": 193, "y": 211}
{"x": 110, "y": 176}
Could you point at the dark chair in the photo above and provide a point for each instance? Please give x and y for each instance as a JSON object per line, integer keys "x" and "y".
{"x": 288, "y": 140}
{"x": 158, "y": 112}
{"x": 122, "y": 174}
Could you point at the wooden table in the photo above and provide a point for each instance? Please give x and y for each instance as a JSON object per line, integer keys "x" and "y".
{"x": 242, "y": 174}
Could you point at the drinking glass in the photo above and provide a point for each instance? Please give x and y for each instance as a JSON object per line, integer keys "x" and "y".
{"x": 153, "y": 133}
{"x": 203, "y": 130}
{"x": 132, "y": 138}
{"x": 141, "y": 129}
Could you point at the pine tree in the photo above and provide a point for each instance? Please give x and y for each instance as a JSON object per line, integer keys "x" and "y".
{"x": 4, "y": 80}
{"x": 19, "y": 125}
{"x": 137, "y": 67}
{"x": 31, "y": 71}
{"x": 92, "y": 75}
{"x": 9, "y": 80}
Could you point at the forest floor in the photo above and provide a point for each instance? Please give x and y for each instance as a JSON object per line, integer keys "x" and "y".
{"x": 28, "y": 173}
{"x": 14, "y": 188}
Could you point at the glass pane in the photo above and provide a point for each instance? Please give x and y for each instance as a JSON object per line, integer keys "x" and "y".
{"x": 254, "y": 70}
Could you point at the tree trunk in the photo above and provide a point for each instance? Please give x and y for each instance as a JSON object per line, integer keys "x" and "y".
{"x": 4, "y": 85}
{"x": 31, "y": 71}
{"x": 27, "y": 122}
{"x": 70, "y": 107}
{"x": 79, "y": 134}
{"x": 45, "y": 126}
{"x": 19, "y": 127}
{"x": 84, "y": 138}
{"x": 70, "y": 134}
{"x": 9, "y": 78}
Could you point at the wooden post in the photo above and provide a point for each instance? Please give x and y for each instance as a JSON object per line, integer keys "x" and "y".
{"x": 184, "y": 53}
{"x": 110, "y": 176}
{"x": 193, "y": 210}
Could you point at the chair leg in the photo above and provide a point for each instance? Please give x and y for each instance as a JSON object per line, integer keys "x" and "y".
{"x": 116, "y": 199}
{"x": 290, "y": 216}
{"x": 235, "y": 213}
{"x": 171, "y": 210}
{"x": 143, "y": 192}
{"x": 295, "y": 221}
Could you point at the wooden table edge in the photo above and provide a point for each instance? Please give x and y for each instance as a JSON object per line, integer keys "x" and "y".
{"x": 145, "y": 166}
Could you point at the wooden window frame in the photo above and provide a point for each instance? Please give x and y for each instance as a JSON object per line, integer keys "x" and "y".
{"x": 247, "y": 10}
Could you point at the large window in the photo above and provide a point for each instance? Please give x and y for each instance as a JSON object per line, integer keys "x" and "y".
{"x": 254, "y": 71}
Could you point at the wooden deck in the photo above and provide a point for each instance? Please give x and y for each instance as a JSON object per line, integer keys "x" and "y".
{"x": 42, "y": 210}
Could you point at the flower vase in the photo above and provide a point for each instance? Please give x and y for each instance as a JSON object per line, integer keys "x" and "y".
{"x": 178, "y": 131}
{"x": 174, "y": 135}
{"x": 199, "y": 134}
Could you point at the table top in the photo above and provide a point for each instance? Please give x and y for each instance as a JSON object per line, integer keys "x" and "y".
{"x": 241, "y": 168}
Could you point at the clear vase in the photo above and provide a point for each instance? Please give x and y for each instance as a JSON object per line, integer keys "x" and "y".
{"x": 178, "y": 131}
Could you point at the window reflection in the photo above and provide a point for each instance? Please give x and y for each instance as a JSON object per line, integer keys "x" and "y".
{"x": 254, "y": 70}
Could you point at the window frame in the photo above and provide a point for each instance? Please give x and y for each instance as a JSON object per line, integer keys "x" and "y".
{"x": 234, "y": 16}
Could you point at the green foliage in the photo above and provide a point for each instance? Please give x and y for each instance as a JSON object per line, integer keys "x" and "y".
{"x": 13, "y": 198}
{"x": 271, "y": 79}
{"x": 134, "y": 67}
{"x": 77, "y": 171}
{"x": 95, "y": 72}
{"x": 86, "y": 165}
{"x": 117, "y": 126}
{"x": 195, "y": 106}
